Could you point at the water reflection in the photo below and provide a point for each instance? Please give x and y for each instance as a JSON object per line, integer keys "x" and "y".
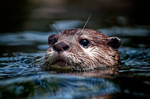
{"x": 56, "y": 86}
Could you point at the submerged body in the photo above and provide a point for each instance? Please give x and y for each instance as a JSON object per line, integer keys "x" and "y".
{"x": 82, "y": 50}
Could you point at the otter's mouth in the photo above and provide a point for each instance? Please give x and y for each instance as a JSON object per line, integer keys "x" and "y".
{"x": 61, "y": 65}
{"x": 60, "y": 62}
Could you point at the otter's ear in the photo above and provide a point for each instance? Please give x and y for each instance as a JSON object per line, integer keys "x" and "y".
{"x": 114, "y": 42}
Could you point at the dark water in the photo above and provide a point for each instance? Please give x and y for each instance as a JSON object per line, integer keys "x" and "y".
{"x": 22, "y": 78}
{"x": 21, "y": 53}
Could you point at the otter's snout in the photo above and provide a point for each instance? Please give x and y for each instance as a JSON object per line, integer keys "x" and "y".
{"x": 61, "y": 46}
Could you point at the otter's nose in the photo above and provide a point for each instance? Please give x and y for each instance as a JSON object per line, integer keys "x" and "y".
{"x": 59, "y": 47}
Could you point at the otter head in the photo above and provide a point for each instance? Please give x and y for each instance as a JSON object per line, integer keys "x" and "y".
{"x": 82, "y": 49}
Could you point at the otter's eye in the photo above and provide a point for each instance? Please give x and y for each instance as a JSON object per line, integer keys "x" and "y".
{"x": 52, "y": 40}
{"x": 84, "y": 42}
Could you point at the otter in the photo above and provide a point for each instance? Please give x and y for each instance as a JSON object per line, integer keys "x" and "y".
{"x": 82, "y": 49}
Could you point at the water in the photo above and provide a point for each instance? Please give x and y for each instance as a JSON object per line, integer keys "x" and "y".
{"x": 26, "y": 25}
{"x": 22, "y": 77}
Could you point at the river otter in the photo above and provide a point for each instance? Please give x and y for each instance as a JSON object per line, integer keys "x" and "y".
{"x": 82, "y": 49}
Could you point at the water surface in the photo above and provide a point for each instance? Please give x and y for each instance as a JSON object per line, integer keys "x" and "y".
{"x": 21, "y": 77}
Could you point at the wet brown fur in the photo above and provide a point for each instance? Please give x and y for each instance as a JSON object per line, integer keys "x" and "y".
{"x": 98, "y": 54}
